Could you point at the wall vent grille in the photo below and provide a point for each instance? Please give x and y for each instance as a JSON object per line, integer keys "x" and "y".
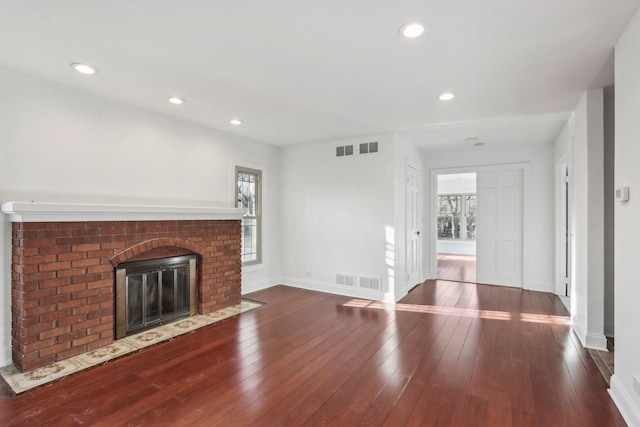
{"x": 345, "y": 150}
{"x": 369, "y": 147}
{"x": 370, "y": 282}
{"x": 345, "y": 279}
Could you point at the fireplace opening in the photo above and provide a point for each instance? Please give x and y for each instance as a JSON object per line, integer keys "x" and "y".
{"x": 153, "y": 292}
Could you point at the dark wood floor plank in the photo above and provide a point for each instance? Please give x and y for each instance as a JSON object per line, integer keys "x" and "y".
{"x": 450, "y": 353}
{"x": 461, "y": 268}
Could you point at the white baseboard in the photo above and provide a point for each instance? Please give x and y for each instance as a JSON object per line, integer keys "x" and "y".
{"x": 630, "y": 411}
{"x": 247, "y": 288}
{"x": 332, "y": 288}
{"x": 533, "y": 285}
{"x": 590, "y": 340}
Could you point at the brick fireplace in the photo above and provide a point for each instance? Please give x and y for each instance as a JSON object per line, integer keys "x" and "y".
{"x": 64, "y": 258}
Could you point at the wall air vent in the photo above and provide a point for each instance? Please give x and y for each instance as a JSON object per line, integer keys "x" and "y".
{"x": 345, "y": 279}
{"x": 345, "y": 150}
{"x": 370, "y": 282}
{"x": 369, "y": 147}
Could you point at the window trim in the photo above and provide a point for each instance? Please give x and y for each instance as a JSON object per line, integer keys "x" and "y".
{"x": 258, "y": 213}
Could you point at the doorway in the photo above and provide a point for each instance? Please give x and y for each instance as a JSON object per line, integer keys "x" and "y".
{"x": 456, "y": 227}
{"x": 497, "y": 220}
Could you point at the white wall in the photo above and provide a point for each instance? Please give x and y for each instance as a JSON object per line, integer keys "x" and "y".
{"x": 538, "y": 254}
{"x": 61, "y": 145}
{"x": 338, "y": 215}
{"x": 456, "y": 247}
{"x": 459, "y": 183}
{"x": 627, "y": 173}
{"x": 587, "y": 298}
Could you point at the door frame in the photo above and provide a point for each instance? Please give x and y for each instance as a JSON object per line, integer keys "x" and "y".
{"x": 564, "y": 211}
{"x": 524, "y": 167}
{"x": 407, "y": 286}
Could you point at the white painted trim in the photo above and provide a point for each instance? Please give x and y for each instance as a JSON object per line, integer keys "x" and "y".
{"x": 630, "y": 411}
{"x": 66, "y": 212}
{"x": 590, "y": 340}
{"x": 333, "y": 288}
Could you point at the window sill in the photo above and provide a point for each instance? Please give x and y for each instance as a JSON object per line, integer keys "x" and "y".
{"x": 253, "y": 267}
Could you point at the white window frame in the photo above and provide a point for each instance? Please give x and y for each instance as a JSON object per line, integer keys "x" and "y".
{"x": 257, "y": 215}
{"x": 463, "y": 216}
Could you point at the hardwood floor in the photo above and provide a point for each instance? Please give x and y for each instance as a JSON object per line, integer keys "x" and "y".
{"x": 460, "y": 268}
{"x": 453, "y": 354}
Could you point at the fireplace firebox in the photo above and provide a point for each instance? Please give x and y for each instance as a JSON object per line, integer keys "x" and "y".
{"x": 153, "y": 292}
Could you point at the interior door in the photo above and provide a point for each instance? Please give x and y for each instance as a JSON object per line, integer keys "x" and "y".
{"x": 499, "y": 228}
{"x": 413, "y": 227}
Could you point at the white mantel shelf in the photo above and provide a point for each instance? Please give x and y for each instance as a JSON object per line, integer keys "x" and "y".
{"x": 72, "y": 212}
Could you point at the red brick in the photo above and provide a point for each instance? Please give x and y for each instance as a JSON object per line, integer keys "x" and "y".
{"x": 72, "y": 288}
{"x": 73, "y": 320}
{"x": 85, "y": 324}
{"x": 85, "y": 308}
{"x": 55, "y": 299}
{"x": 72, "y": 304}
{"x": 37, "y": 345}
{"x": 70, "y": 256}
{"x": 86, "y": 247}
{"x": 75, "y": 240}
{"x": 71, "y": 272}
{"x": 54, "y": 332}
{"x": 73, "y": 351}
{"x": 71, "y": 336}
{"x": 55, "y": 266}
{"x": 54, "y": 283}
{"x": 85, "y": 262}
{"x": 99, "y": 343}
{"x": 55, "y": 315}
{"x": 53, "y": 350}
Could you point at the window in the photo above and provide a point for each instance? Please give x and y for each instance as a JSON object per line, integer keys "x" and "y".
{"x": 457, "y": 216}
{"x": 248, "y": 197}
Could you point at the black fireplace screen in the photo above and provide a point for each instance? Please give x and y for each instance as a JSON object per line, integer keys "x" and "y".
{"x": 153, "y": 292}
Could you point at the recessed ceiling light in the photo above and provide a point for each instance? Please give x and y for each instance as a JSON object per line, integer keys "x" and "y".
{"x": 411, "y": 30}
{"x": 472, "y": 139}
{"x": 447, "y": 96}
{"x": 83, "y": 68}
{"x": 236, "y": 122}
{"x": 175, "y": 100}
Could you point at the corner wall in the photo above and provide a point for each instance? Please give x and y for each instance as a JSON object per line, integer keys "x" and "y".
{"x": 61, "y": 145}
{"x": 627, "y": 173}
{"x": 587, "y": 297}
{"x": 338, "y": 216}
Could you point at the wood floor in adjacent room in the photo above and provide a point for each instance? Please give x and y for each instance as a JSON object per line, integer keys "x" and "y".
{"x": 461, "y": 268}
{"x": 450, "y": 354}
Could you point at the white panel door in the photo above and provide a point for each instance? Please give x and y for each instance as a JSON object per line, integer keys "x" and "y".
{"x": 499, "y": 228}
{"x": 413, "y": 227}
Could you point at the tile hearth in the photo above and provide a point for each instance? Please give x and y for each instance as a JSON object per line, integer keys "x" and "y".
{"x": 23, "y": 381}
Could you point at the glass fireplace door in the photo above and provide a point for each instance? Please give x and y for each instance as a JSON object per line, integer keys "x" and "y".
{"x": 151, "y": 293}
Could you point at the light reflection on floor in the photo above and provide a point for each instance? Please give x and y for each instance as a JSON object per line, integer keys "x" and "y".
{"x": 463, "y": 312}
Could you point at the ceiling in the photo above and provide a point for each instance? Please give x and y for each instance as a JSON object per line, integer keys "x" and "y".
{"x": 297, "y": 71}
